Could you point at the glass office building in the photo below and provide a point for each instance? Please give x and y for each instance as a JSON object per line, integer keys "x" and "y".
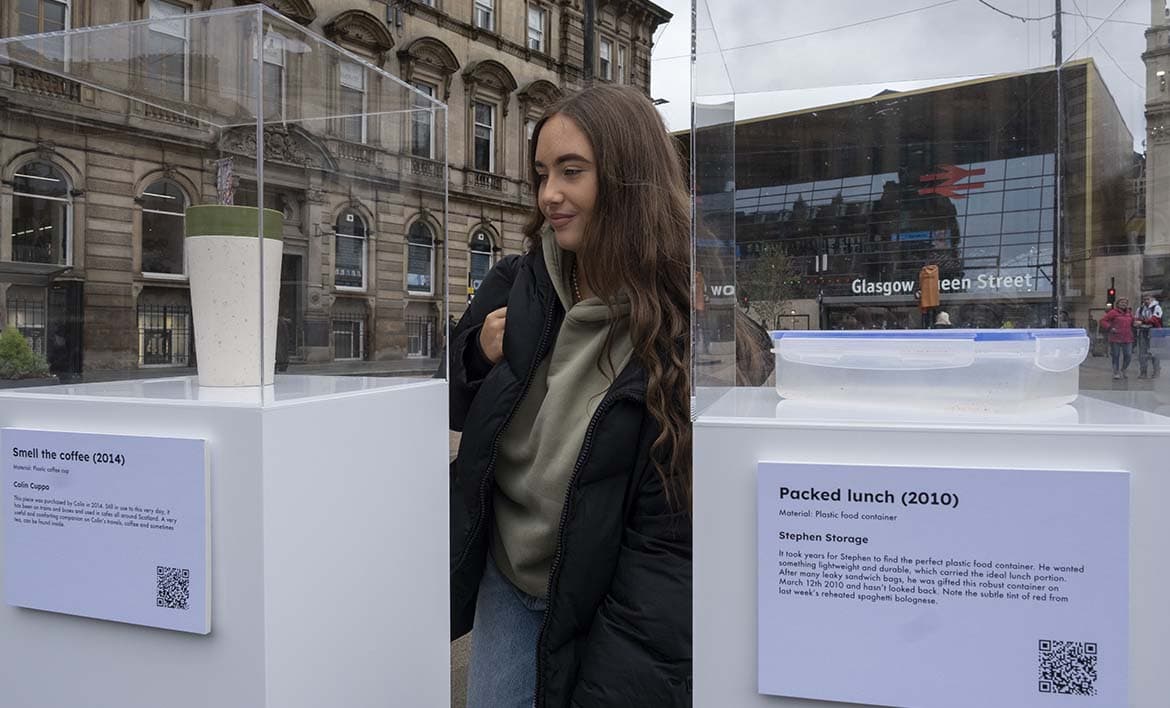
{"x": 851, "y": 201}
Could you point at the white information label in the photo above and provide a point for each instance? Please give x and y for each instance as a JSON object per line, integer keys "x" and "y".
{"x": 924, "y": 587}
{"x": 107, "y": 526}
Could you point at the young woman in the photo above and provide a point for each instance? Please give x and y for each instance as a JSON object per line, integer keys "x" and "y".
{"x": 570, "y": 495}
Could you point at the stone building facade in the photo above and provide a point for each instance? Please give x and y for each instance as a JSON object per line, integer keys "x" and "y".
{"x": 1156, "y": 184}
{"x": 92, "y": 189}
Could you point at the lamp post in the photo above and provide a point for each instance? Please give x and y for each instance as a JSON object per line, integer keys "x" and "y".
{"x": 1058, "y": 178}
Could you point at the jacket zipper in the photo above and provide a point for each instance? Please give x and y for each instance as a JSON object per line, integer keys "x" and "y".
{"x": 483, "y": 484}
{"x": 552, "y": 575}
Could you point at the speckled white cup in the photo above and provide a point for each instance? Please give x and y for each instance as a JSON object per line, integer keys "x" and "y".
{"x": 231, "y": 336}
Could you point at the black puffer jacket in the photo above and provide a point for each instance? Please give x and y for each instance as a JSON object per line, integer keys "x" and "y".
{"x": 618, "y": 627}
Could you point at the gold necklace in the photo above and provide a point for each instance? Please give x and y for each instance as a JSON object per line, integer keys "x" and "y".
{"x": 574, "y": 283}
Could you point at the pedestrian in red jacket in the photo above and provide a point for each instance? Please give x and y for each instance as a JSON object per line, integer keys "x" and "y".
{"x": 1119, "y": 323}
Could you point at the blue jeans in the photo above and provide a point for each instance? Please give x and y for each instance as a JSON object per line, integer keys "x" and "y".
{"x": 1146, "y": 358}
{"x": 1122, "y": 353}
{"x": 502, "y": 673}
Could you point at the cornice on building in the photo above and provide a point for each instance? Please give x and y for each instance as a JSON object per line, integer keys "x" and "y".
{"x": 432, "y": 55}
{"x": 569, "y": 64}
{"x": 492, "y": 74}
{"x": 639, "y": 10}
{"x": 299, "y": 11}
{"x": 478, "y": 34}
{"x": 539, "y": 92}
{"x": 1155, "y": 53}
{"x": 360, "y": 28}
{"x": 1157, "y": 109}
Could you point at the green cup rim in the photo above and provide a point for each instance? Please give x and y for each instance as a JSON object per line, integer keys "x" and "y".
{"x": 230, "y": 220}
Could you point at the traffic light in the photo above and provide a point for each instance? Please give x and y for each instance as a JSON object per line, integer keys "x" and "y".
{"x": 1110, "y": 297}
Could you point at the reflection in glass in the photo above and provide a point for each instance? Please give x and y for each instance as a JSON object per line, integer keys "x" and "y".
{"x": 38, "y": 16}
{"x": 353, "y": 102}
{"x": 167, "y": 48}
{"x": 273, "y": 76}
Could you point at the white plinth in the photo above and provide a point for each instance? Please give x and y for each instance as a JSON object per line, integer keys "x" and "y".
{"x": 746, "y": 426}
{"x": 329, "y": 569}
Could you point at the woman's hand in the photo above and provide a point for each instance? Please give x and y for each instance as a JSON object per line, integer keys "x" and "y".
{"x": 491, "y": 335}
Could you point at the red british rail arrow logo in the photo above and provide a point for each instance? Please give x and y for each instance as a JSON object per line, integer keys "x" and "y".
{"x": 948, "y": 182}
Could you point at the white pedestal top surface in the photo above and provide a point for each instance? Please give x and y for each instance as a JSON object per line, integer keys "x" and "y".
{"x": 185, "y": 390}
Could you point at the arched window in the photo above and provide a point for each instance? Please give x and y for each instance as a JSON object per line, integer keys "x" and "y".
{"x": 163, "y": 206}
{"x": 41, "y": 210}
{"x": 420, "y": 259}
{"x": 480, "y": 250}
{"x": 349, "y": 250}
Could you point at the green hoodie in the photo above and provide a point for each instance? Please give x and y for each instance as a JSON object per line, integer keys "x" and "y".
{"x": 543, "y": 440}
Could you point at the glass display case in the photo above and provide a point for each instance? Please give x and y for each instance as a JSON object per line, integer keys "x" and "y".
{"x": 835, "y": 160}
{"x": 222, "y": 237}
{"x": 114, "y": 132}
{"x": 931, "y": 240}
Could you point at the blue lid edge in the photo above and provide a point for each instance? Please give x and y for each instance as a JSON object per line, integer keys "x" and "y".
{"x": 978, "y": 335}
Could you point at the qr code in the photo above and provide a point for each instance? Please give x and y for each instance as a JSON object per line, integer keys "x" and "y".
{"x": 174, "y": 587}
{"x": 1068, "y": 667}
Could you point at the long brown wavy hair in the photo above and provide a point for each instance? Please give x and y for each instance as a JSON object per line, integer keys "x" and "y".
{"x": 638, "y": 243}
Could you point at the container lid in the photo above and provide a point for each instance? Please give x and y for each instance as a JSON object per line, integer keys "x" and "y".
{"x": 1159, "y": 332}
{"x": 915, "y": 349}
{"x": 977, "y": 335}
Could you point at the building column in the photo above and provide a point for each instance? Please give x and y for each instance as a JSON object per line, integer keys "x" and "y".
{"x": 4, "y": 304}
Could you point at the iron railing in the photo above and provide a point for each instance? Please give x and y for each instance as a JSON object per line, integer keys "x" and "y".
{"x": 165, "y": 335}
{"x": 422, "y": 337}
{"x": 28, "y": 316}
{"x": 349, "y": 336}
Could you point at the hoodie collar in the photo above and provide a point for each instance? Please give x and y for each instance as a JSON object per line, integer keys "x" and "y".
{"x": 559, "y": 263}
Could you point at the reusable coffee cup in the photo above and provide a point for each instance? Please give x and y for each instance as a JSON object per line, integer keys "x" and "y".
{"x": 223, "y": 264}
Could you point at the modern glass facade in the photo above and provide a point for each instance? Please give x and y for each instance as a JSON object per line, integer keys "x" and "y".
{"x": 856, "y": 199}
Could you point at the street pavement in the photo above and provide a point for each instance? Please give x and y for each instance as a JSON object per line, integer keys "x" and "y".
{"x": 1097, "y": 375}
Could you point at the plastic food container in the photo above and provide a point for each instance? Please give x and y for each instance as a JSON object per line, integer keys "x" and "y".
{"x": 976, "y": 370}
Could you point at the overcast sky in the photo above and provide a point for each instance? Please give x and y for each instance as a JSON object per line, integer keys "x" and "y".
{"x": 849, "y": 49}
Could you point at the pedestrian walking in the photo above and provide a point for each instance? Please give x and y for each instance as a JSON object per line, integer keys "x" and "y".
{"x": 1149, "y": 317}
{"x": 1119, "y": 323}
{"x": 570, "y": 494}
